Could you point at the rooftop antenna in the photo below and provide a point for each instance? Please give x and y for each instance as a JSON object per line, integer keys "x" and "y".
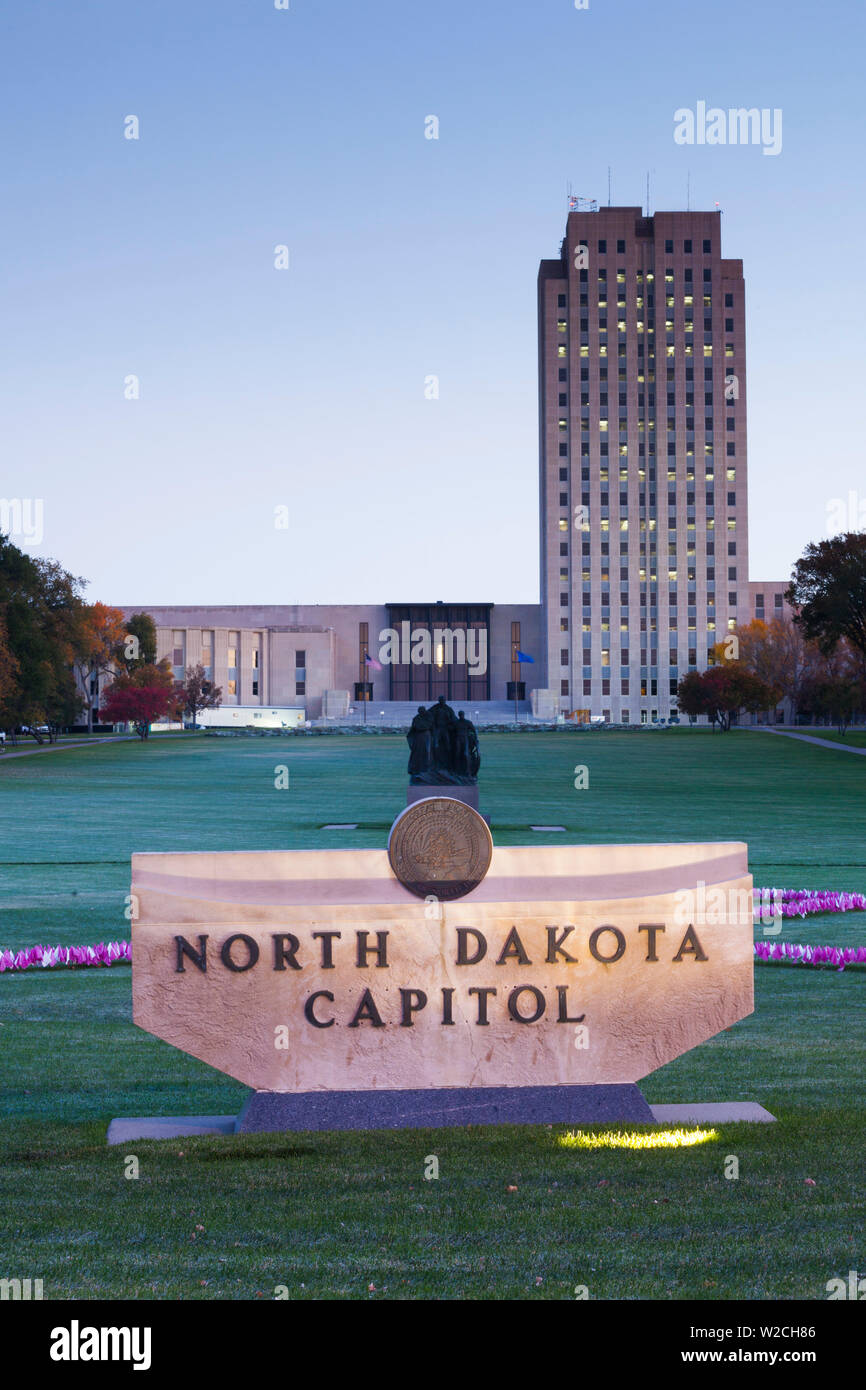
{"x": 608, "y": 185}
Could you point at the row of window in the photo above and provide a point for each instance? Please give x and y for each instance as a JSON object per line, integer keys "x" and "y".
{"x": 642, "y": 277}
{"x": 640, "y": 300}
{"x": 645, "y": 400}
{"x": 647, "y": 687}
{"x": 706, "y": 246}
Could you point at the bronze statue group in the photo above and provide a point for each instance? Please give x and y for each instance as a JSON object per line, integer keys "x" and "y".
{"x": 443, "y": 747}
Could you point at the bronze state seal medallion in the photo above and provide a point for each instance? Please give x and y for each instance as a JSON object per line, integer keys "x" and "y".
{"x": 440, "y": 847}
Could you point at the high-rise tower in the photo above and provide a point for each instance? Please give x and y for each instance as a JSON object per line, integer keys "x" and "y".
{"x": 642, "y": 423}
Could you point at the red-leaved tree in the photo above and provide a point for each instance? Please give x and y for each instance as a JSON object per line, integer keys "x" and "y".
{"x": 140, "y": 697}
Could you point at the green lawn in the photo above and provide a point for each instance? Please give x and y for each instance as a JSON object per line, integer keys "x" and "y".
{"x": 328, "y": 1215}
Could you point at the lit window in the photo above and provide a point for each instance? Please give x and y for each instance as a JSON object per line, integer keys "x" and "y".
{"x": 562, "y": 325}
{"x": 562, "y": 351}
{"x": 602, "y": 424}
{"x": 563, "y": 524}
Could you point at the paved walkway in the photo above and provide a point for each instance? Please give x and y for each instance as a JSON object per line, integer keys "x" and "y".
{"x": 804, "y": 738}
{"x": 59, "y": 747}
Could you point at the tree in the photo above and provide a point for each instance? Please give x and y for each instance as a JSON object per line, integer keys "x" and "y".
{"x": 828, "y": 591}
{"x": 776, "y": 652}
{"x": 101, "y": 631}
{"x": 9, "y": 667}
{"x": 138, "y": 645}
{"x": 834, "y": 699}
{"x": 692, "y": 696}
{"x": 198, "y": 693}
{"x": 40, "y": 604}
{"x": 140, "y": 696}
{"x": 722, "y": 691}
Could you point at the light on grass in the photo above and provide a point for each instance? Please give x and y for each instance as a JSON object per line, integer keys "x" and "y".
{"x": 637, "y": 1139}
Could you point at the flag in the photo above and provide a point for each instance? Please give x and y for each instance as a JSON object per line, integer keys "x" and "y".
{"x": 521, "y": 656}
{"x": 371, "y": 661}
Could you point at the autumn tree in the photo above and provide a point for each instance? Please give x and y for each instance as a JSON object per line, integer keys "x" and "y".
{"x": 776, "y": 652}
{"x": 101, "y": 631}
{"x": 722, "y": 691}
{"x": 198, "y": 692}
{"x": 140, "y": 697}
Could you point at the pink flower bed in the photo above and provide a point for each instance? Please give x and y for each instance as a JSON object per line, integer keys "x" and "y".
{"x": 805, "y": 902}
{"x": 51, "y": 957}
{"x": 795, "y": 954}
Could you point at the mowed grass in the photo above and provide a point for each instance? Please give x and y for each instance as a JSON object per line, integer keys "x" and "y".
{"x": 328, "y": 1215}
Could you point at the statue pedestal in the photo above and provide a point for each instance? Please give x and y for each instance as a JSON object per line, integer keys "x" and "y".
{"x": 468, "y": 795}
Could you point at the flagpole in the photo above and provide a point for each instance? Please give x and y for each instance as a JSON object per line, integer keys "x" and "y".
{"x": 366, "y": 674}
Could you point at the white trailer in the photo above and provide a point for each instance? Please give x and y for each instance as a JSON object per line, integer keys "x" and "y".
{"x": 250, "y": 717}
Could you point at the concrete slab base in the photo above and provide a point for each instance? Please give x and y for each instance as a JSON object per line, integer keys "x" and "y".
{"x": 269, "y": 1112}
{"x": 169, "y": 1127}
{"x": 721, "y": 1113}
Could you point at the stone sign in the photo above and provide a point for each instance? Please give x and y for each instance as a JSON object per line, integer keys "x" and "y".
{"x": 318, "y": 970}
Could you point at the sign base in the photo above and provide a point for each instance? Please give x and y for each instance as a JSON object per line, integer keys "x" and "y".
{"x": 441, "y": 1108}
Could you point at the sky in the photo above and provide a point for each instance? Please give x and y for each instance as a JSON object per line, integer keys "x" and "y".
{"x": 193, "y": 423}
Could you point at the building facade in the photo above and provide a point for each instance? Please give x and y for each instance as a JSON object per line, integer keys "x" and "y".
{"x": 643, "y": 464}
{"x": 643, "y": 512}
{"x": 292, "y": 656}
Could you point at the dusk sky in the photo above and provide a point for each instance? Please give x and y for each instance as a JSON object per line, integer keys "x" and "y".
{"x": 304, "y": 388}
